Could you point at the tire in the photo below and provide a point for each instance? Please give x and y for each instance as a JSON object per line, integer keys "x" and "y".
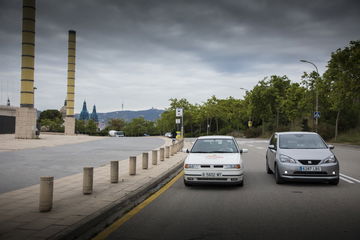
{"x": 268, "y": 170}
{"x": 186, "y": 183}
{"x": 278, "y": 178}
{"x": 334, "y": 182}
{"x": 241, "y": 184}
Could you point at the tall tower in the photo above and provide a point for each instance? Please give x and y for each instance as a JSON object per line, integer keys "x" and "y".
{"x": 70, "y": 100}
{"x": 26, "y": 114}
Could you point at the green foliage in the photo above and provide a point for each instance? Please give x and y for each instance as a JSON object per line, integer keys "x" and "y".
{"x": 51, "y": 121}
{"x": 116, "y": 124}
{"x": 86, "y": 127}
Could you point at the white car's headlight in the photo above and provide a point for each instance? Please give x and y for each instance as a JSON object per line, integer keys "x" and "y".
{"x": 330, "y": 159}
{"x": 286, "y": 159}
{"x": 192, "y": 166}
{"x": 229, "y": 166}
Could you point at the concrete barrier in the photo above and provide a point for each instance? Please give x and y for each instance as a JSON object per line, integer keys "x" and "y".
{"x": 114, "y": 171}
{"x": 88, "y": 176}
{"x": 145, "y": 160}
{"x": 46, "y": 194}
{"x": 154, "y": 157}
{"x": 132, "y": 165}
{"x": 162, "y": 154}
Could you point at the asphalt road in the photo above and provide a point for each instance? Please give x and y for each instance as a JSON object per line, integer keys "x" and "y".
{"x": 259, "y": 210}
{"x": 23, "y": 168}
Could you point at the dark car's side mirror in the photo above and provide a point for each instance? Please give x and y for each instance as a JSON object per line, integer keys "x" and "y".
{"x": 272, "y": 147}
{"x": 331, "y": 146}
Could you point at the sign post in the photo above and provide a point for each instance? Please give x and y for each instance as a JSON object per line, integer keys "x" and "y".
{"x": 180, "y": 114}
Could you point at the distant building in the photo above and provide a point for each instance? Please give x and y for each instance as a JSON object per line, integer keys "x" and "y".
{"x": 84, "y": 115}
{"x": 94, "y": 115}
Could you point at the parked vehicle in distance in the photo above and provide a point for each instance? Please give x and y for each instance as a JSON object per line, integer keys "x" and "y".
{"x": 113, "y": 133}
{"x": 168, "y": 134}
{"x": 214, "y": 159}
{"x": 301, "y": 156}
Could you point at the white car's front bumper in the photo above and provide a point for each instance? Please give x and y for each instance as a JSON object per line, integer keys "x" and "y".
{"x": 213, "y": 176}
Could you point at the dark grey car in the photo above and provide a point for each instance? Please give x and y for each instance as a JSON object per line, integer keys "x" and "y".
{"x": 301, "y": 156}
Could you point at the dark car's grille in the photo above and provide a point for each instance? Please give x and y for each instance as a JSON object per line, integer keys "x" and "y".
{"x": 310, "y": 162}
{"x": 309, "y": 173}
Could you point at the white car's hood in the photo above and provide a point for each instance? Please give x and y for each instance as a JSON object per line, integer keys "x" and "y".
{"x": 213, "y": 158}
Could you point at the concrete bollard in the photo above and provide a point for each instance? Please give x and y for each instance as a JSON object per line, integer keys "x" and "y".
{"x": 172, "y": 150}
{"x": 88, "y": 177}
{"x": 46, "y": 194}
{"x": 114, "y": 171}
{"x": 145, "y": 160}
{"x": 154, "y": 157}
{"x": 167, "y": 151}
{"x": 132, "y": 165}
{"x": 162, "y": 154}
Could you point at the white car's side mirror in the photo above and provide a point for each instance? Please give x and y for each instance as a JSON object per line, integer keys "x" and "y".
{"x": 244, "y": 150}
{"x": 331, "y": 146}
{"x": 185, "y": 150}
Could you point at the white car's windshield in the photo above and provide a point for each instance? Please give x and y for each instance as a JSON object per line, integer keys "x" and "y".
{"x": 214, "y": 146}
{"x": 301, "y": 141}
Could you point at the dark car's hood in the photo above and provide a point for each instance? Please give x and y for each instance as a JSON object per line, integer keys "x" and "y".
{"x": 307, "y": 154}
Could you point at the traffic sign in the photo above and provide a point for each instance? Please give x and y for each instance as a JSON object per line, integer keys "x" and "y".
{"x": 316, "y": 115}
{"x": 177, "y": 121}
{"x": 179, "y": 112}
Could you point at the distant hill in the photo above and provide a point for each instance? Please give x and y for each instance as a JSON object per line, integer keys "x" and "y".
{"x": 150, "y": 114}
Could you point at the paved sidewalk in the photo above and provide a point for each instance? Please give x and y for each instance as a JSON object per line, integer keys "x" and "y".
{"x": 8, "y": 142}
{"x": 20, "y": 218}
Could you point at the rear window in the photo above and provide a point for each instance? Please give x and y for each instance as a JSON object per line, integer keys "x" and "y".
{"x": 301, "y": 141}
{"x": 214, "y": 146}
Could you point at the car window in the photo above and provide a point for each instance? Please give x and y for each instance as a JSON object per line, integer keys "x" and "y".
{"x": 301, "y": 141}
{"x": 214, "y": 146}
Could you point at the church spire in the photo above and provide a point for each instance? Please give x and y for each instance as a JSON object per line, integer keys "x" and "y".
{"x": 84, "y": 115}
{"x": 94, "y": 115}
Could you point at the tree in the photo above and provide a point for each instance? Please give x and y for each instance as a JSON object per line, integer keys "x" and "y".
{"x": 117, "y": 124}
{"x": 51, "y": 120}
{"x": 343, "y": 80}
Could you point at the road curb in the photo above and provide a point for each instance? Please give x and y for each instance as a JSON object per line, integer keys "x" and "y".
{"x": 96, "y": 222}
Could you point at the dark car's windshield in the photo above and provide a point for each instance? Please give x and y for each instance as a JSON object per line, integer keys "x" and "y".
{"x": 214, "y": 146}
{"x": 301, "y": 141}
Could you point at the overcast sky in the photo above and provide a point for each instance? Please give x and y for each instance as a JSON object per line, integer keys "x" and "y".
{"x": 142, "y": 53}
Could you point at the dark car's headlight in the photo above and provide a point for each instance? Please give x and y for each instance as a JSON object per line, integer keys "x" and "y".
{"x": 286, "y": 159}
{"x": 330, "y": 159}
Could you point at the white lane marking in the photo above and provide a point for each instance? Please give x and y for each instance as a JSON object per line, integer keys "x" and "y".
{"x": 344, "y": 179}
{"x": 250, "y": 145}
{"x": 351, "y": 178}
{"x": 260, "y": 147}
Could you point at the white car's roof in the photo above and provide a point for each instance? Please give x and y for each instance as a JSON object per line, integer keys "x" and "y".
{"x": 296, "y": 133}
{"x": 215, "y": 137}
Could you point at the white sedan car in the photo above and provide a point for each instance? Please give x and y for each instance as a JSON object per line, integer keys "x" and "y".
{"x": 214, "y": 159}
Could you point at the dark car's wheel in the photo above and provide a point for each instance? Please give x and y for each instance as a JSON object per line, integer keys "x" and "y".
{"x": 334, "y": 182}
{"x": 268, "y": 170}
{"x": 278, "y": 178}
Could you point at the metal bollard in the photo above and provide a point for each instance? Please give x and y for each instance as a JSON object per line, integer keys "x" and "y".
{"x": 145, "y": 160}
{"x": 132, "y": 165}
{"x": 162, "y": 154}
{"x": 46, "y": 194}
{"x": 167, "y": 151}
{"x": 88, "y": 177}
{"x": 154, "y": 157}
{"x": 114, "y": 171}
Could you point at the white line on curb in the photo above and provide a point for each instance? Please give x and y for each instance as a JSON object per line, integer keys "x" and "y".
{"x": 345, "y": 176}
{"x": 344, "y": 179}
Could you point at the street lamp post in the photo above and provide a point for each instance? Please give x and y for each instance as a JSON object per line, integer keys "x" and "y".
{"x": 316, "y": 94}
{"x": 250, "y": 116}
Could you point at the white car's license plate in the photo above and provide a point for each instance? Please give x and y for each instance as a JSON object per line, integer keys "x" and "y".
{"x": 310, "y": 168}
{"x": 211, "y": 174}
